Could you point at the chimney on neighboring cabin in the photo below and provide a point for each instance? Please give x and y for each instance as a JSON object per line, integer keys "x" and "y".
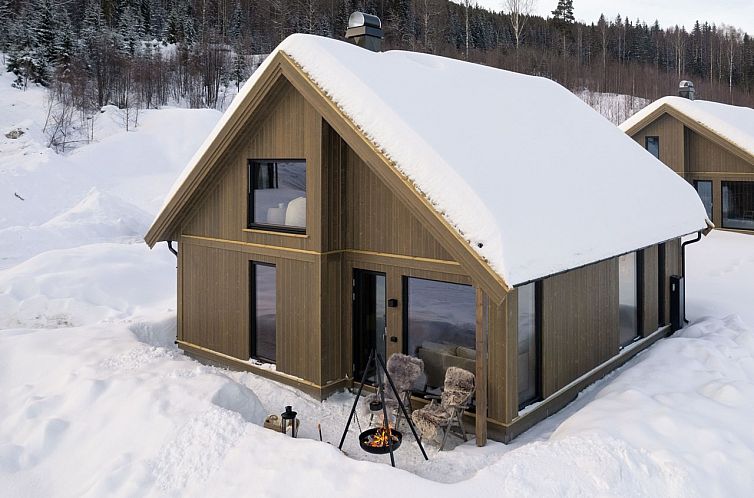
{"x": 365, "y": 30}
{"x": 686, "y": 90}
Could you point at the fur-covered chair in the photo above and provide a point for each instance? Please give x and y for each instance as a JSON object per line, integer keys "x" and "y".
{"x": 405, "y": 371}
{"x": 448, "y": 412}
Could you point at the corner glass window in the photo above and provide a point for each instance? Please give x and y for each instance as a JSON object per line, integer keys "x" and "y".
{"x": 263, "y": 312}
{"x": 704, "y": 189}
{"x": 528, "y": 346}
{"x": 440, "y": 327}
{"x": 738, "y": 205}
{"x": 652, "y": 145}
{"x": 628, "y": 299}
{"x": 277, "y": 195}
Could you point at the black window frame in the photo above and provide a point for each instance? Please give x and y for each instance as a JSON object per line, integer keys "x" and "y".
{"x": 711, "y": 193}
{"x": 723, "y": 212}
{"x": 253, "y": 311}
{"x": 538, "y": 380}
{"x": 646, "y": 144}
{"x": 251, "y": 187}
{"x": 639, "y": 279}
{"x": 404, "y": 320}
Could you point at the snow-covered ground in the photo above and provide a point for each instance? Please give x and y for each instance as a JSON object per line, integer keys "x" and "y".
{"x": 96, "y": 400}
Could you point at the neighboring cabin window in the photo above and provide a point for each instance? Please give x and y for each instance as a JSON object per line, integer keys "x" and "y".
{"x": 528, "y": 345}
{"x": 628, "y": 299}
{"x": 738, "y": 205}
{"x": 704, "y": 189}
{"x": 263, "y": 311}
{"x": 277, "y": 195}
{"x": 440, "y": 326}
{"x": 652, "y": 144}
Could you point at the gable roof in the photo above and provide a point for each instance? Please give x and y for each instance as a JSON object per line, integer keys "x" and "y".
{"x": 732, "y": 124}
{"x": 532, "y": 179}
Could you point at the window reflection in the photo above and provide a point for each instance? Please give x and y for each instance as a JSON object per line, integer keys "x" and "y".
{"x": 441, "y": 327}
{"x": 738, "y": 205}
{"x": 628, "y": 299}
{"x": 277, "y": 194}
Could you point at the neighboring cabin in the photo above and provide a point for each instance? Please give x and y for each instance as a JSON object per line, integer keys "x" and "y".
{"x": 709, "y": 144}
{"x": 473, "y": 217}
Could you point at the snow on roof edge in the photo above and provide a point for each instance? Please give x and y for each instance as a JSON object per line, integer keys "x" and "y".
{"x": 694, "y": 112}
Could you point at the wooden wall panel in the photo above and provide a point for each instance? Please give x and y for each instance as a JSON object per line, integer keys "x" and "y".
{"x": 671, "y": 132}
{"x": 706, "y": 156}
{"x": 334, "y": 210}
{"x": 334, "y": 294}
{"x": 215, "y": 299}
{"x": 215, "y": 305}
{"x": 649, "y": 291}
{"x": 290, "y": 129}
{"x": 503, "y": 353}
{"x": 377, "y": 221}
{"x": 579, "y": 323}
{"x": 673, "y": 266}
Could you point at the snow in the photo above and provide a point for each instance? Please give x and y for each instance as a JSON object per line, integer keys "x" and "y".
{"x": 97, "y": 401}
{"x": 514, "y": 163}
{"x": 734, "y": 123}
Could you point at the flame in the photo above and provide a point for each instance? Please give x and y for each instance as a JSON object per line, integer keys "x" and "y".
{"x": 380, "y": 438}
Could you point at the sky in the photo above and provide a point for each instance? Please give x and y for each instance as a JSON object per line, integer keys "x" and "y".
{"x": 739, "y": 13}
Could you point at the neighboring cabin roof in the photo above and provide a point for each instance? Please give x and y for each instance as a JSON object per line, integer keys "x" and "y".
{"x": 733, "y": 124}
{"x": 516, "y": 164}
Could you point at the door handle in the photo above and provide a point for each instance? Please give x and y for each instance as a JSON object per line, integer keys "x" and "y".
{"x": 393, "y": 338}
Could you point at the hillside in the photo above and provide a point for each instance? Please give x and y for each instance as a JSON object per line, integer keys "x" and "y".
{"x": 136, "y": 54}
{"x": 97, "y": 401}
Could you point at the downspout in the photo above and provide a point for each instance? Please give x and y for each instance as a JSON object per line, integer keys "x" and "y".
{"x": 170, "y": 247}
{"x": 683, "y": 267}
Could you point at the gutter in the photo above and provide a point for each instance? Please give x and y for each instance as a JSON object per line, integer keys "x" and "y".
{"x": 171, "y": 249}
{"x": 683, "y": 263}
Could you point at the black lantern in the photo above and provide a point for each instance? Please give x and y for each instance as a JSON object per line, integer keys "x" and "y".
{"x": 288, "y": 421}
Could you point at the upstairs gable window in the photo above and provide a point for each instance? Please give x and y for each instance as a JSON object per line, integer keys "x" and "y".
{"x": 652, "y": 145}
{"x": 277, "y": 195}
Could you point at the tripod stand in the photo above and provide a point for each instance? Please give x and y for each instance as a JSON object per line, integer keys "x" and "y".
{"x": 380, "y": 368}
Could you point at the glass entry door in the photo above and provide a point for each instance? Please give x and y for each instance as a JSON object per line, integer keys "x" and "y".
{"x": 369, "y": 320}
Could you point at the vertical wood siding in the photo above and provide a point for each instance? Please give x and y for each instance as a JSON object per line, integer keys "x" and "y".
{"x": 650, "y": 321}
{"x": 579, "y": 323}
{"x": 290, "y": 129}
{"x": 671, "y": 132}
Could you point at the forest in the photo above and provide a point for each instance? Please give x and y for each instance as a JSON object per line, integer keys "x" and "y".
{"x": 139, "y": 54}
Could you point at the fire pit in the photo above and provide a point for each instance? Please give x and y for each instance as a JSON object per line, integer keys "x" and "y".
{"x": 375, "y": 440}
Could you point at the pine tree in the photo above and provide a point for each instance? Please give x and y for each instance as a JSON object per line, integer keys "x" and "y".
{"x": 563, "y": 19}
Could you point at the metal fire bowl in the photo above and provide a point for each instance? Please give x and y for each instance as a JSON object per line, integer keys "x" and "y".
{"x": 378, "y": 450}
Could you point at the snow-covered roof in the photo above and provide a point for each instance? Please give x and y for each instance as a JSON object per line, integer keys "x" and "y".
{"x": 733, "y": 123}
{"x": 534, "y": 179}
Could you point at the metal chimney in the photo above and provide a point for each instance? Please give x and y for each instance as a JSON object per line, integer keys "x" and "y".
{"x": 686, "y": 90}
{"x": 365, "y": 30}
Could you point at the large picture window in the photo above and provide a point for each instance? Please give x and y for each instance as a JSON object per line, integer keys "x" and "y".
{"x": 628, "y": 299}
{"x": 704, "y": 189}
{"x": 738, "y": 205}
{"x": 277, "y": 195}
{"x": 440, "y": 326}
{"x": 263, "y": 311}
{"x": 528, "y": 345}
{"x": 652, "y": 145}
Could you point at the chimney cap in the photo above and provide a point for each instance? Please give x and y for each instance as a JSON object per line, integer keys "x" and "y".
{"x": 359, "y": 19}
{"x": 686, "y": 90}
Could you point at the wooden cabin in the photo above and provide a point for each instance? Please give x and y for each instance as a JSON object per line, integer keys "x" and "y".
{"x": 710, "y": 145}
{"x": 342, "y": 205}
